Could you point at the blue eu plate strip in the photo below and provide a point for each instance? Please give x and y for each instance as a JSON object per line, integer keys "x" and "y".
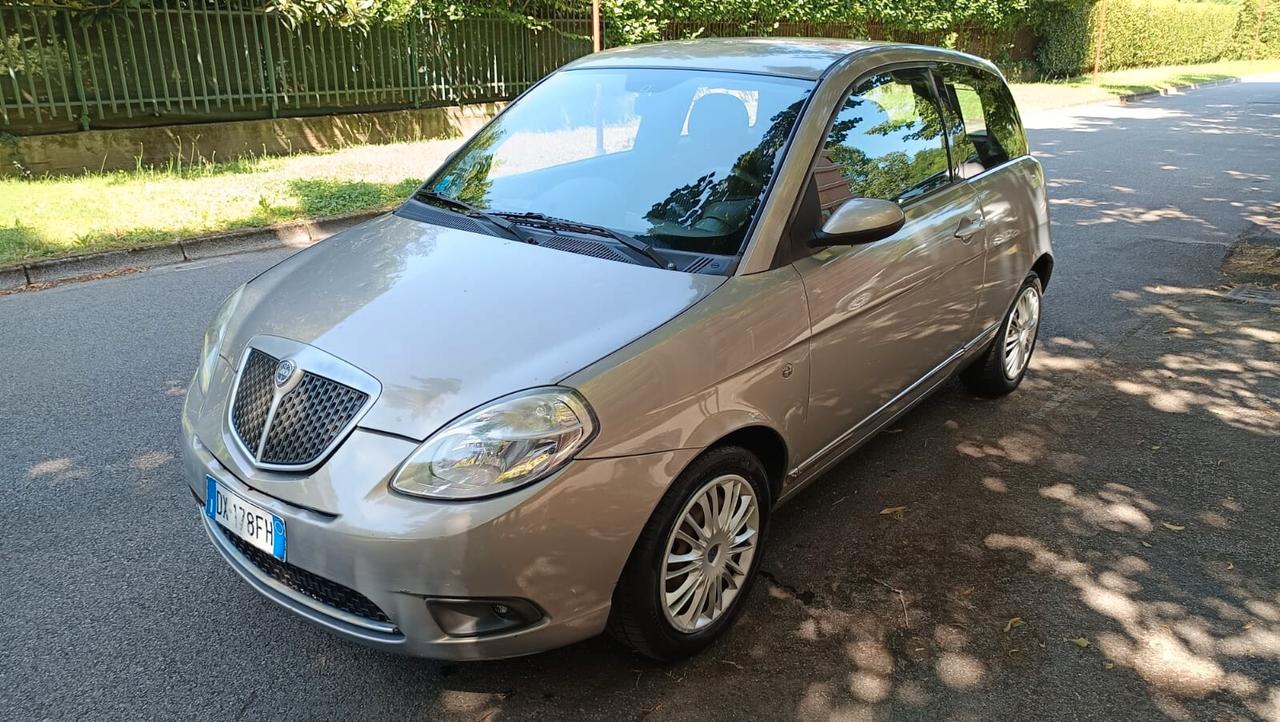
{"x": 277, "y": 534}
{"x": 210, "y": 497}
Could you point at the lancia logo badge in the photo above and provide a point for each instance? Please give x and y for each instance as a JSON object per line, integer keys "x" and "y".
{"x": 284, "y": 371}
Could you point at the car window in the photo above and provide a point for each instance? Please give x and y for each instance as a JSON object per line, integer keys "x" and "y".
{"x": 602, "y": 122}
{"x": 605, "y": 122}
{"x": 886, "y": 142}
{"x": 987, "y": 131}
{"x": 680, "y": 158}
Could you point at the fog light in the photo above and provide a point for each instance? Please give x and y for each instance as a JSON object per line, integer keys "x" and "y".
{"x": 480, "y": 617}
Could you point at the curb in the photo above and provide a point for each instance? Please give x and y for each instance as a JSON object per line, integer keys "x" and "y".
{"x": 294, "y": 234}
{"x": 1131, "y": 97}
{"x": 1135, "y": 97}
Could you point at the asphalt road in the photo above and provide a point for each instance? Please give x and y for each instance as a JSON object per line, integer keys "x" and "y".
{"x": 1124, "y": 498}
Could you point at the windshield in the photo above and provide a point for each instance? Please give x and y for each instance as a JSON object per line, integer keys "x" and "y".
{"x": 679, "y": 158}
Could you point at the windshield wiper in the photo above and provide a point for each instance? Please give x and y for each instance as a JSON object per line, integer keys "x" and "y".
{"x": 471, "y": 211}
{"x": 543, "y": 220}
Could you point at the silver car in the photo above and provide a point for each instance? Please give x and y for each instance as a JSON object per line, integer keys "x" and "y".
{"x": 562, "y": 389}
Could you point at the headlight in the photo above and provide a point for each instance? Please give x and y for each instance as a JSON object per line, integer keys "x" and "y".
{"x": 213, "y": 337}
{"x": 501, "y": 446}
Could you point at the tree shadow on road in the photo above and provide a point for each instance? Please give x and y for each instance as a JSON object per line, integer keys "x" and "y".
{"x": 1100, "y": 544}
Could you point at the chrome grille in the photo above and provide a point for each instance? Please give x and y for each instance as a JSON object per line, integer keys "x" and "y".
{"x": 308, "y": 419}
{"x": 253, "y": 398}
{"x": 290, "y": 426}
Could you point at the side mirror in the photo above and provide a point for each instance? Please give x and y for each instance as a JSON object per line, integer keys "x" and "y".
{"x": 860, "y": 220}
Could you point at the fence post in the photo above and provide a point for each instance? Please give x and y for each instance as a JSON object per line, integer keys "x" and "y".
{"x": 74, "y": 58}
{"x": 271, "y": 66}
{"x": 597, "y": 31}
{"x": 413, "y": 62}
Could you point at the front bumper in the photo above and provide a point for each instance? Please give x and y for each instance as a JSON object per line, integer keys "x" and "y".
{"x": 561, "y": 544}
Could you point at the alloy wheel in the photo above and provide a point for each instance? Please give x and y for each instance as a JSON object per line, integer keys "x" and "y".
{"x": 709, "y": 552}
{"x": 1020, "y": 335}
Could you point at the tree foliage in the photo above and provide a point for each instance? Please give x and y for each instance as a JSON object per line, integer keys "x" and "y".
{"x": 633, "y": 21}
{"x": 362, "y": 13}
{"x": 89, "y": 5}
{"x": 354, "y": 13}
{"x": 1134, "y": 32}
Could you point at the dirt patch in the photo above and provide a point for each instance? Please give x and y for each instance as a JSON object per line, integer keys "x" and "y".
{"x": 1255, "y": 260}
{"x": 43, "y": 285}
{"x": 1254, "y": 265}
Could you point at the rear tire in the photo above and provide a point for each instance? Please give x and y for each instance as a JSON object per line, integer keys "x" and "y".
{"x": 1003, "y": 365}
{"x": 695, "y": 561}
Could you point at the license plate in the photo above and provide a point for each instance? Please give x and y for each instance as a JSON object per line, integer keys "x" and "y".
{"x": 245, "y": 519}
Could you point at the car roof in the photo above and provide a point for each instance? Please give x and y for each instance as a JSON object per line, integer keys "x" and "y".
{"x": 794, "y": 57}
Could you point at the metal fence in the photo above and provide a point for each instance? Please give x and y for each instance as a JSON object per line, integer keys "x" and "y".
{"x": 181, "y": 61}
{"x": 66, "y": 70}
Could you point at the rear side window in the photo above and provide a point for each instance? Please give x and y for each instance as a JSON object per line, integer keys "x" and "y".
{"x": 886, "y": 142}
{"x": 986, "y": 131}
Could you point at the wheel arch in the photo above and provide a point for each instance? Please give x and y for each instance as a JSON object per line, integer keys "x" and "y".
{"x": 1043, "y": 267}
{"x": 769, "y": 447}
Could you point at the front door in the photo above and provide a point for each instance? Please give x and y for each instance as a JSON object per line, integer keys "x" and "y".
{"x": 885, "y": 314}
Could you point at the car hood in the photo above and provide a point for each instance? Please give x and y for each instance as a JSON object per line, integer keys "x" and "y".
{"x": 447, "y": 320}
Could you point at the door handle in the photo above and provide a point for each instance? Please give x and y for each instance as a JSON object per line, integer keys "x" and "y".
{"x": 969, "y": 225}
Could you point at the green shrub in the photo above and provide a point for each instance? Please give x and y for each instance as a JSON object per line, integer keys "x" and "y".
{"x": 1133, "y": 33}
{"x": 1063, "y": 39}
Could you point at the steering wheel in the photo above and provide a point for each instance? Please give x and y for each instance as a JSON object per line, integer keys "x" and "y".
{"x": 722, "y": 216}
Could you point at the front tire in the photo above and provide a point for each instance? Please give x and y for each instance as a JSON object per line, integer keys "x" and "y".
{"x": 696, "y": 559}
{"x": 1001, "y": 367}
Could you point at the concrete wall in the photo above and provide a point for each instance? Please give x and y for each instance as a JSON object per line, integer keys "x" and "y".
{"x": 122, "y": 149}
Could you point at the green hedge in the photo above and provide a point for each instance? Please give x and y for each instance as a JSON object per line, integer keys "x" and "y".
{"x": 1133, "y": 33}
{"x": 1252, "y": 40}
{"x": 1137, "y": 33}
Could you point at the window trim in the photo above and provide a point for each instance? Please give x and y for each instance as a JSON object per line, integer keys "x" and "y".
{"x": 732, "y": 268}
{"x": 949, "y": 113}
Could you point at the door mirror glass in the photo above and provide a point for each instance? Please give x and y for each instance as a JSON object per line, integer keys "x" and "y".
{"x": 860, "y": 220}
